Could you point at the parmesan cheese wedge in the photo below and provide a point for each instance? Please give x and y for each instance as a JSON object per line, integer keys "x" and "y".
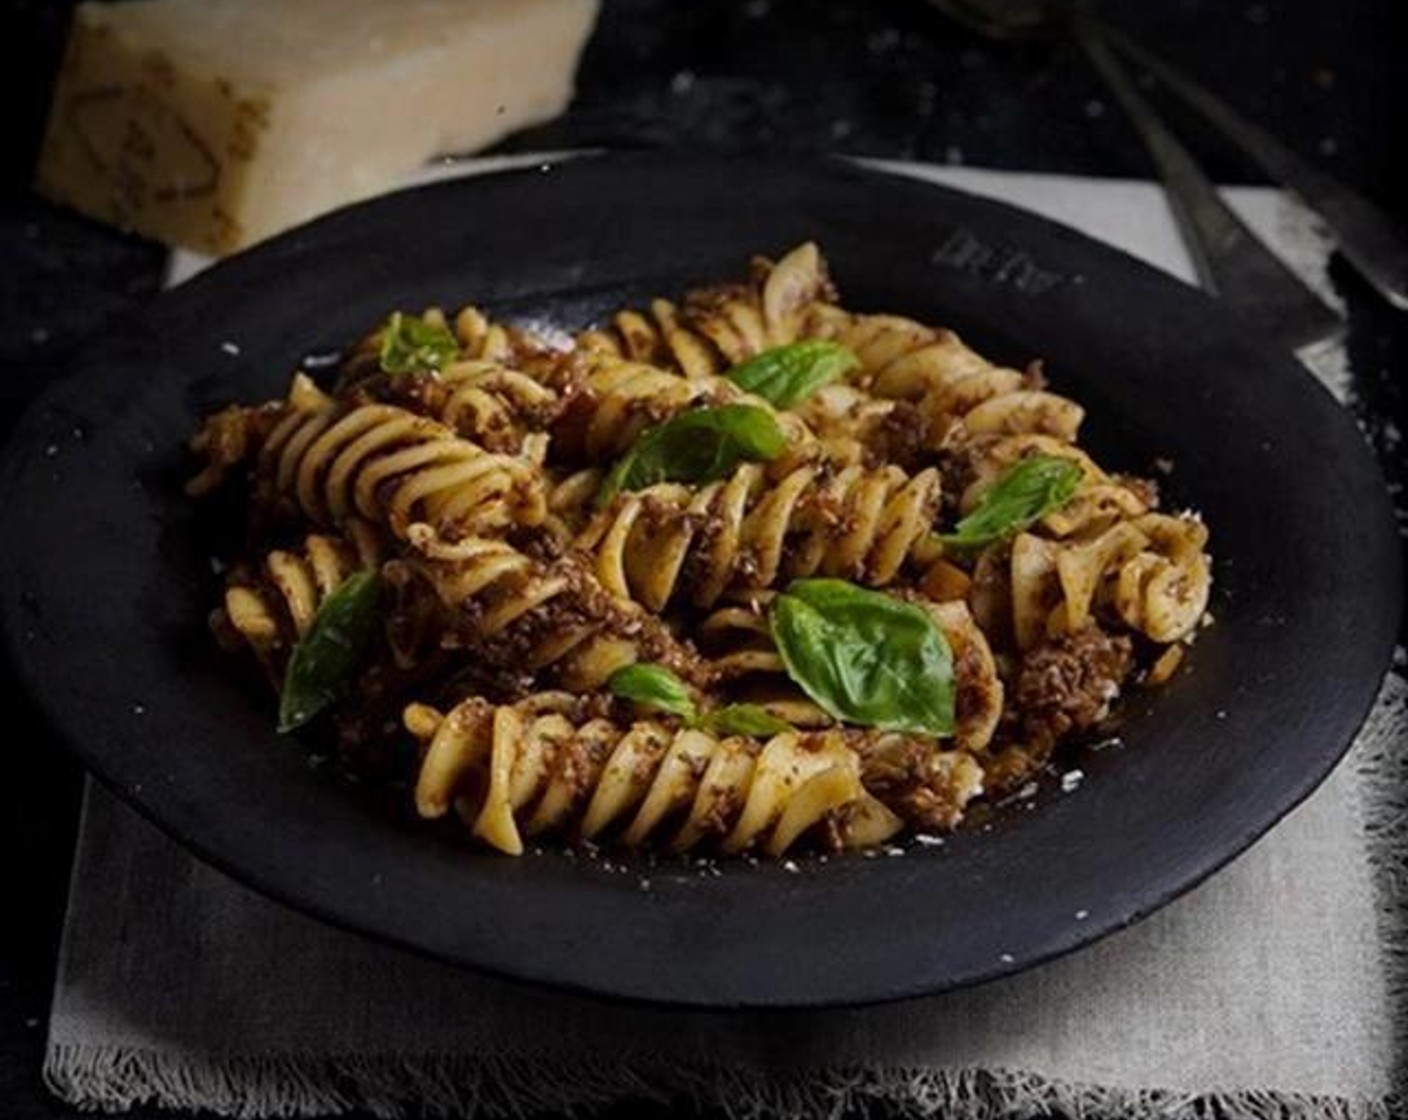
{"x": 211, "y": 124}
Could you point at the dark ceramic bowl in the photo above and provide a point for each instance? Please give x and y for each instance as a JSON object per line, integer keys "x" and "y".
{"x": 106, "y": 583}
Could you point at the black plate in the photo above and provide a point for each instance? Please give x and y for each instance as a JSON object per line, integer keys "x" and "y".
{"x": 106, "y": 585}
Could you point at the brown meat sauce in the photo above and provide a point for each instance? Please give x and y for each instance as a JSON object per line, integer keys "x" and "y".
{"x": 1063, "y": 686}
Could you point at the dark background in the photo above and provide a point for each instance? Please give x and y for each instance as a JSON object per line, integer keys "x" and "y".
{"x": 887, "y": 78}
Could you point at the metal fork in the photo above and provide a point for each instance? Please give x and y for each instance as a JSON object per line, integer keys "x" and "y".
{"x": 1231, "y": 261}
{"x": 1371, "y": 241}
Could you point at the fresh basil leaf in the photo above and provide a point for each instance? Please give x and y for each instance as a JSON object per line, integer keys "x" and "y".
{"x": 411, "y": 345}
{"x": 653, "y": 686}
{"x": 787, "y": 374}
{"x": 697, "y": 446}
{"x": 325, "y": 659}
{"x": 1026, "y": 492}
{"x": 865, "y": 657}
{"x": 743, "y": 719}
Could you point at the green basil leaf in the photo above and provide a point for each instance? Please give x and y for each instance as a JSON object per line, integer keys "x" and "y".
{"x": 653, "y": 686}
{"x": 324, "y": 661}
{"x": 787, "y": 374}
{"x": 411, "y": 345}
{"x": 1026, "y": 492}
{"x": 743, "y": 719}
{"x": 864, "y": 657}
{"x": 697, "y": 446}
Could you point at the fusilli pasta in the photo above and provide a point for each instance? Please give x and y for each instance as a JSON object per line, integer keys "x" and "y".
{"x": 538, "y": 767}
{"x": 388, "y": 465}
{"x": 519, "y": 614}
{"x": 720, "y": 326}
{"x": 273, "y": 606}
{"x": 749, "y": 532}
{"x": 619, "y": 598}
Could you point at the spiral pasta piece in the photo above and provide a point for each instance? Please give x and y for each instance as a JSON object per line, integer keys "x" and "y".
{"x": 538, "y": 768}
{"x": 670, "y": 541}
{"x": 612, "y": 402}
{"x": 230, "y": 438}
{"x": 1149, "y": 573}
{"x": 501, "y": 409}
{"x": 656, "y": 337}
{"x": 959, "y": 394}
{"x": 482, "y": 391}
{"x": 845, "y": 415}
{"x": 484, "y": 339}
{"x": 722, "y": 325}
{"x": 530, "y": 770}
{"x": 1105, "y": 556}
{"x": 270, "y": 607}
{"x": 718, "y": 328}
{"x": 615, "y": 400}
{"x": 1162, "y": 592}
{"x": 903, "y": 359}
{"x": 387, "y": 465}
{"x": 518, "y": 614}
{"x": 479, "y": 338}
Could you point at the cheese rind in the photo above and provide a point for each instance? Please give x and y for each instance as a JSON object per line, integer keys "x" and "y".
{"x": 212, "y": 124}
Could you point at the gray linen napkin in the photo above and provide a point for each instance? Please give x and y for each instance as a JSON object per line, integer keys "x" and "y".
{"x": 1274, "y": 990}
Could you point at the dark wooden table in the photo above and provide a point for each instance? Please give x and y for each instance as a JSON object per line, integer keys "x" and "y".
{"x": 873, "y": 77}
